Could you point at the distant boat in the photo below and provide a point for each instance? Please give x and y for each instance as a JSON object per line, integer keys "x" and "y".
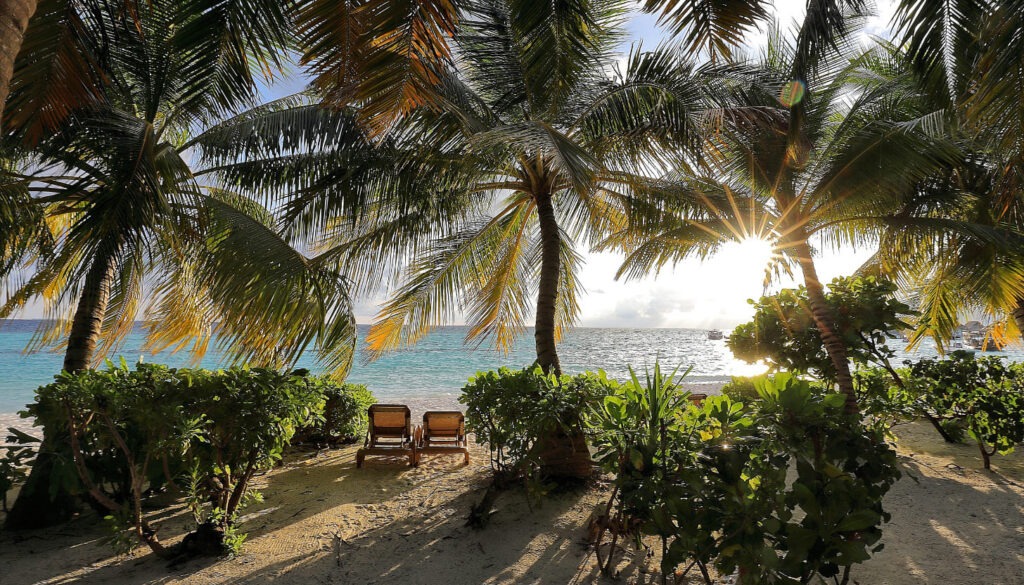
{"x": 715, "y": 334}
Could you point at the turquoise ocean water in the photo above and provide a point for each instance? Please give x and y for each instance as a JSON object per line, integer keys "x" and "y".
{"x": 430, "y": 374}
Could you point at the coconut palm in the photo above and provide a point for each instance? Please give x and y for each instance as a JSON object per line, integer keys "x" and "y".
{"x": 834, "y": 159}
{"x": 956, "y": 245}
{"x": 157, "y": 201}
{"x": 534, "y": 151}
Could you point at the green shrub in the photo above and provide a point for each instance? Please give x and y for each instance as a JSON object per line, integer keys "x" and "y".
{"x": 134, "y": 431}
{"x": 740, "y": 389}
{"x": 344, "y": 413}
{"x": 982, "y": 396}
{"x": 711, "y": 481}
{"x": 245, "y": 419}
{"x": 511, "y": 410}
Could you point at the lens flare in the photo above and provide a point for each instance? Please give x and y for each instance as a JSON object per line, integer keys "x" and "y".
{"x": 792, "y": 93}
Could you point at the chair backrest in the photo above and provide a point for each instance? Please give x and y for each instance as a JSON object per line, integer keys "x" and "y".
{"x": 390, "y": 420}
{"x": 444, "y": 423}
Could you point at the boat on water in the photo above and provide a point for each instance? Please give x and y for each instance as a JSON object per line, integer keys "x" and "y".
{"x": 715, "y": 334}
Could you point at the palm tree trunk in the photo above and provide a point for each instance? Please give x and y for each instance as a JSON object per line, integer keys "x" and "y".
{"x": 14, "y": 16}
{"x": 35, "y": 507}
{"x": 547, "y": 294}
{"x": 88, "y": 321}
{"x": 824, "y": 320}
{"x": 563, "y": 452}
{"x": 1018, "y": 316}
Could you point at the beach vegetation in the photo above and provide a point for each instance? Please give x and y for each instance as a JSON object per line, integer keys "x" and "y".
{"x": 783, "y": 488}
{"x": 196, "y": 433}
{"x": 344, "y": 418}
{"x": 982, "y": 398}
{"x": 532, "y": 425}
{"x": 784, "y": 335}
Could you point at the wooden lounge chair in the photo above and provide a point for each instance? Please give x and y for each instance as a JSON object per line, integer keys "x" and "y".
{"x": 389, "y": 433}
{"x": 443, "y": 432}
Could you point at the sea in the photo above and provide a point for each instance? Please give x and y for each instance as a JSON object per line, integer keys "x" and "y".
{"x": 430, "y": 374}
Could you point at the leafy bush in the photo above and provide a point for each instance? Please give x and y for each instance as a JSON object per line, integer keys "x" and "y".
{"x": 783, "y": 333}
{"x": 512, "y": 410}
{"x": 740, "y": 389}
{"x": 711, "y": 481}
{"x": 244, "y": 419}
{"x": 133, "y": 431}
{"x": 983, "y": 396}
{"x": 344, "y": 413}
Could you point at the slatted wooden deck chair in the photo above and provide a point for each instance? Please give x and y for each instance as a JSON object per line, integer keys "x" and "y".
{"x": 698, "y": 398}
{"x": 443, "y": 432}
{"x": 389, "y": 433}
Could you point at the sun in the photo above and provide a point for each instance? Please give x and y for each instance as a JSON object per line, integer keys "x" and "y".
{"x": 748, "y": 254}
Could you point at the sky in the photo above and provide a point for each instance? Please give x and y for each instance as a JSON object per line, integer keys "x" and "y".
{"x": 711, "y": 293}
{"x": 704, "y": 294}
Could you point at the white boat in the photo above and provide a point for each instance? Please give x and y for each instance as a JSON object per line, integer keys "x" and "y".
{"x": 715, "y": 334}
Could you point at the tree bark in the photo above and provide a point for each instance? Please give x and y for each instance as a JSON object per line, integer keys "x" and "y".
{"x": 88, "y": 321}
{"x": 547, "y": 294}
{"x": 564, "y": 452}
{"x": 1018, "y": 316}
{"x": 35, "y": 508}
{"x": 824, "y": 320}
{"x": 14, "y": 17}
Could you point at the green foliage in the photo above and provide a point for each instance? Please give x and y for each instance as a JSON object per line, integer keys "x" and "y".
{"x": 783, "y": 487}
{"x": 740, "y": 389}
{"x": 983, "y": 396}
{"x": 828, "y": 517}
{"x": 134, "y": 431}
{"x": 247, "y": 418}
{"x": 13, "y": 463}
{"x": 510, "y": 410}
{"x": 784, "y": 335}
{"x": 344, "y": 413}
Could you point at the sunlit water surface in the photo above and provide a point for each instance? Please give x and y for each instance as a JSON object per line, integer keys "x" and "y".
{"x": 430, "y": 374}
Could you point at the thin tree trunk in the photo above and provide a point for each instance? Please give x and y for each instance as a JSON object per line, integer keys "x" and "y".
{"x": 547, "y": 294}
{"x": 824, "y": 319}
{"x": 35, "y": 508}
{"x": 14, "y": 17}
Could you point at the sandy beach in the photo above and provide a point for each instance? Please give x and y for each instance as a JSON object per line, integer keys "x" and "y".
{"x": 324, "y": 521}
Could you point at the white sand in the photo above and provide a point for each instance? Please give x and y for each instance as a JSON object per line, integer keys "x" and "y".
{"x": 324, "y": 521}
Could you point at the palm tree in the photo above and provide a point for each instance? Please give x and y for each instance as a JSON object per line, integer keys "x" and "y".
{"x": 828, "y": 163}
{"x": 532, "y": 150}
{"x": 160, "y": 192}
{"x": 957, "y": 243}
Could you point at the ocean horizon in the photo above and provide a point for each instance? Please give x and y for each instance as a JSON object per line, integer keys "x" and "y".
{"x": 430, "y": 374}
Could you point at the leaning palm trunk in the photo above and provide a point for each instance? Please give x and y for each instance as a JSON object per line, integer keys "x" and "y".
{"x": 824, "y": 320}
{"x": 35, "y": 506}
{"x": 14, "y": 16}
{"x": 88, "y": 320}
